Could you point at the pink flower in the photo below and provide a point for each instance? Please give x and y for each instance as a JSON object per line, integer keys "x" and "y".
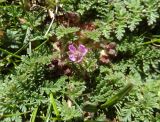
{"x": 77, "y": 54}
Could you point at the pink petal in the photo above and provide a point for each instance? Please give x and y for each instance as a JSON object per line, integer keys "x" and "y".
{"x": 72, "y": 48}
{"x": 82, "y": 49}
{"x": 72, "y": 57}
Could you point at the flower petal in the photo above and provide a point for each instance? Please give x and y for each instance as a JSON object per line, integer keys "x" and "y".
{"x": 72, "y": 48}
{"x": 82, "y": 49}
{"x": 72, "y": 57}
{"x": 79, "y": 59}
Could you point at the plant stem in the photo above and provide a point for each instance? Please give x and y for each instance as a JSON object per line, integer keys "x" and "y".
{"x": 10, "y": 115}
{"x": 12, "y": 54}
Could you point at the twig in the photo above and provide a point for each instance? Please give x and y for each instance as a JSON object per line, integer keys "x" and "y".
{"x": 53, "y": 18}
{"x": 156, "y": 45}
{"x": 26, "y": 40}
{"x": 24, "y": 46}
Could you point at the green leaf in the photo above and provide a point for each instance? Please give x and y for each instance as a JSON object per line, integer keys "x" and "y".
{"x": 118, "y": 96}
{"x": 69, "y": 113}
{"x": 61, "y": 31}
{"x": 33, "y": 116}
{"x": 94, "y": 35}
{"x": 90, "y": 107}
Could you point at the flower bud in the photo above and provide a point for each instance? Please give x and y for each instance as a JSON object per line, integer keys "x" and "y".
{"x": 54, "y": 62}
{"x": 111, "y": 45}
{"x": 112, "y": 52}
{"x": 104, "y": 58}
{"x": 67, "y": 70}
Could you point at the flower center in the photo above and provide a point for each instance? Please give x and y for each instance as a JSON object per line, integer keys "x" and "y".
{"x": 78, "y": 55}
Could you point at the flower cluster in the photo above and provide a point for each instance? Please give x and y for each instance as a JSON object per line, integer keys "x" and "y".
{"x": 108, "y": 53}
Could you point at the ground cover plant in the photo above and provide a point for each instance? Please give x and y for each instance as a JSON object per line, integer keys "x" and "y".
{"x": 80, "y": 60}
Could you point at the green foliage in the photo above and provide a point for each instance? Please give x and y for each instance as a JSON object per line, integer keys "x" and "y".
{"x": 117, "y": 16}
{"x": 137, "y": 57}
{"x": 29, "y": 83}
{"x": 62, "y": 31}
{"x": 68, "y": 113}
{"x": 39, "y": 83}
{"x": 145, "y": 102}
{"x": 20, "y": 92}
{"x": 94, "y": 35}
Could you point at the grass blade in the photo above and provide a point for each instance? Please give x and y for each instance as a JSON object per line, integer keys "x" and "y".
{"x": 54, "y": 105}
{"x": 33, "y": 116}
{"x": 48, "y": 112}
